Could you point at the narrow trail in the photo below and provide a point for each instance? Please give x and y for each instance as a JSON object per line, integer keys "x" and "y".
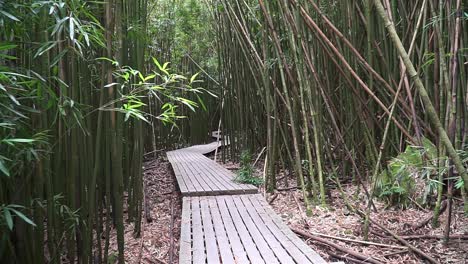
{"x": 227, "y": 222}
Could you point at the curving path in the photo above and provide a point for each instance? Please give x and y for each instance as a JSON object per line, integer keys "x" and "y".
{"x": 227, "y": 222}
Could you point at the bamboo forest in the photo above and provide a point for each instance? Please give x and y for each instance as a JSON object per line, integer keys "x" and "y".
{"x": 233, "y": 131}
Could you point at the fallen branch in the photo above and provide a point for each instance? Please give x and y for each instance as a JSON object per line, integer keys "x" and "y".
{"x": 396, "y": 253}
{"x": 463, "y": 237}
{"x": 400, "y": 239}
{"x": 158, "y": 150}
{"x": 404, "y": 242}
{"x": 273, "y": 198}
{"x": 357, "y": 241}
{"x": 286, "y": 189}
{"x": 356, "y": 255}
{"x": 345, "y": 257}
{"x": 428, "y": 219}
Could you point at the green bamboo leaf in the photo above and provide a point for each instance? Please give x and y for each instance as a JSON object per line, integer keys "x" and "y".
{"x": 8, "y": 218}
{"x": 23, "y": 217}
{"x": 6, "y": 46}
{"x": 4, "y": 169}
{"x": 71, "y": 27}
{"x": 157, "y": 63}
{"x": 10, "y": 16}
{"x": 194, "y": 77}
{"x": 18, "y": 140}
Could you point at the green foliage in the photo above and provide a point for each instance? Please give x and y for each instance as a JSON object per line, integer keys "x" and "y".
{"x": 9, "y": 212}
{"x": 246, "y": 171}
{"x": 415, "y": 165}
{"x": 171, "y": 89}
{"x": 18, "y": 143}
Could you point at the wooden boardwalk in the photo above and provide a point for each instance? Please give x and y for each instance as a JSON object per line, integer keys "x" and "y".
{"x": 226, "y": 222}
{"x": 198, "y": 175}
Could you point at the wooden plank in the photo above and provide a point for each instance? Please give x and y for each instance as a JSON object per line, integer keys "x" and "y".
{"x": 198, "y": 176}
{"x": 290, "y": 247}
{"x": 218, "y": 175}
{"x": 246, "y": 239}
{"x": 238, "y": 248}
{"x": 203, "y": 175}
{"x": 313, "y": 256}
{"x": 199, "y": 255}
{"x": 259, "y": 240}
{"x": 226, "y": 176}
{"x": 191, "y": 187}
{"x": 210, "y": 239}
{"x": 222, "y": 176}
{"x": 221, "y": 237}
{"x": 195, "y": 186}
{"x": 204, "y": 165}
{"x": 276, "y": 246}
{"x": 180, "y": 180}
{"x": 185, "y": 250}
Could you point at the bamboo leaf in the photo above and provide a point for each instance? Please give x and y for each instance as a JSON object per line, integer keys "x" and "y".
{"x": 23, "y": 217}
{"x": 71, "y": 29}
{"x": 18, "y": 140}
{"x": 8, "y": 217}
{"x": 10, "y": 16}
{"x": 4, "y": 169}
{"x": 7, "y": 46}
{"x": 194, "y": 77}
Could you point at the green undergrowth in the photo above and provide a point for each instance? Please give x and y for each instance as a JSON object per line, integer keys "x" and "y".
{"x": 246, "y": 171}
{"x": 413, "y": 175}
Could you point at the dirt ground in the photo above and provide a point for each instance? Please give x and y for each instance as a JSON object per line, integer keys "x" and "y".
{"x": 157, "y": 239}
{"x": 338, "y": 221}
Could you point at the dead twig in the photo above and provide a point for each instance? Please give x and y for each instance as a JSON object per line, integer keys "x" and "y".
{"x": 425, "y": 236}
{"x": 357, "y": 241}
{"x": 345, "y": 257}
{"x": 273, "y": 198}
{"x": 356, "y": 255}
{"x": 428, "y": 219}
{"x": 286, "y": 189}
{"x": 404, "y": 242}
{"x": 396, "y": 253}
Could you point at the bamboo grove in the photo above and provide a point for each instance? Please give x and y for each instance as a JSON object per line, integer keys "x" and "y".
{"x": 82, "y": 97}
{"x": 373, "y": 93}
{"x": 368, "y": 93}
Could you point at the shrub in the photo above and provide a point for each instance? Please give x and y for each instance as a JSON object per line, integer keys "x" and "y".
{"x": 246, "y": 171}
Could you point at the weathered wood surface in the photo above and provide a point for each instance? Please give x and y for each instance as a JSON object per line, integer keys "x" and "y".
{"x": 227, "y": 222}
{"x": 238, "y": 229}
{"x": 198, "y": 175}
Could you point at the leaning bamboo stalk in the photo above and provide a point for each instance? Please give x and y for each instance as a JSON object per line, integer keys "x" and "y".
{"x": 311, "y": 23}
{"x": 431, "y": 112}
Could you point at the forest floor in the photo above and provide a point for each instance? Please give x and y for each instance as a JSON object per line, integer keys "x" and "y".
{"x": 337, "y": 221}
{"x": 160, "y": 236}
